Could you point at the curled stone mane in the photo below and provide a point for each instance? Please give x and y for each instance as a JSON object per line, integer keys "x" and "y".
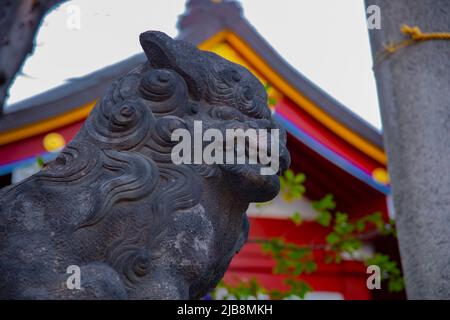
{"x": 115, "y": 205}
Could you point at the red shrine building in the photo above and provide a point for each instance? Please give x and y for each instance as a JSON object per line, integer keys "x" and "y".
{"x": 337, "y": 151}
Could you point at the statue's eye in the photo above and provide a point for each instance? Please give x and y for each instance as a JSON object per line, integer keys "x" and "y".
{"x": 235, "y": 76}
{"x": 248, "y": 93}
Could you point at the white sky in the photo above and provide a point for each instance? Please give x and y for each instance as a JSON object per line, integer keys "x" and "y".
{"x": 326, "y": 40}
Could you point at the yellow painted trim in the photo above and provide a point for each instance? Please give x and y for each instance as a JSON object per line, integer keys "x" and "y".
{"x": 215, "y": 39}
{"x": 278, "y": 82}
{"x": 53, "y": 141}
{"x": 46, "y": 125}
{"x": 381, "y": 175}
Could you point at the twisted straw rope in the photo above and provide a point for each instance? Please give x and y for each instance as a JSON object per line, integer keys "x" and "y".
{"x": 415, "y": 35}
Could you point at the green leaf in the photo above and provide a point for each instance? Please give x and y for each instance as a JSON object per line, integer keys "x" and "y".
{"x": 299, "y": 253}
{"x": 300, "y": 178}
{"x": 341, "y": 217}
{"x": 289, "y": 174}
{"x": 332, "y": 238}
{"x": 350, "y": 245}
{"x": 376, "y": 219}
{"x": 278, "y": 244}
{"x": 276, "y": 294}
{"x": 310, "y": 266}
{"x": 298, "y": 287}
{"x": 292, "y": 185}
{"x": 272, "y": 101}
{"x": 360, "y": 226}
{"x": 298, "y": 269}
{"x": 281, "y": 267}
{"x": 266, "y": 247}
{"x": 396, "y": 285}
{"x": 324, "y": 218}
{"x": 378, "y": 259}
{"x": 344, "y": 228}
{"x": 326, "y": 203}
{"x": 40, "y": 161}
{"x": 296, "y": 218}
{"x": 392, "y": 222}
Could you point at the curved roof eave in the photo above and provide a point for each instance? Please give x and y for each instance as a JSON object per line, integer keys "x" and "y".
{"x": 195, "y": 27}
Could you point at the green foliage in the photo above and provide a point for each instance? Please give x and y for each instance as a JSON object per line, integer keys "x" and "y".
{"x": 270, "y": 100}
{"x": 290, "y": 258}
{"x": 324, "y": 218}
{"x": 344, "y": 238}
{"x": 332, "y": 239}
{"x": 298, "y": 288}
{"x": 390, "y": 271}
{"x": 323, "y": 207}
{"x": 296, "y": 218}
{"x": 40, "y": 162}
{"x": 243, "y": 290}
{"x": 325, "y": 204}
{"x": 292, "y": 187}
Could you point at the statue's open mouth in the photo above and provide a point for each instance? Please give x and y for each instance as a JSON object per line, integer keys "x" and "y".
{"x": 233, "y": 143}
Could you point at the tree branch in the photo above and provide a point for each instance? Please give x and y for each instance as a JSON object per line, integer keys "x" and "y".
{"x": 19, "y": 22}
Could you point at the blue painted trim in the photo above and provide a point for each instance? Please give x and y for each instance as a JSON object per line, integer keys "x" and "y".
{"x": 290, "y": 127}
{"x": 330, "y": 155}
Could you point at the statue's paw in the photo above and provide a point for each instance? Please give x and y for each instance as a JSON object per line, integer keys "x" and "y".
{"x": 97, "y": 281}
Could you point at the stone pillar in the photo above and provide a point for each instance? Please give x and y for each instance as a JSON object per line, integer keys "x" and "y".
{"x": 414, "y": 94}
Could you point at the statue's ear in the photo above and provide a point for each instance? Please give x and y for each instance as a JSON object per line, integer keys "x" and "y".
{"x": 182, "y": 57}
{"x": 156, "y": 46}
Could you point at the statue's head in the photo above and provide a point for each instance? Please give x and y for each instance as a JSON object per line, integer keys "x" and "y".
{"x": 220, "y": 95}
{"x": 125, "y": 154}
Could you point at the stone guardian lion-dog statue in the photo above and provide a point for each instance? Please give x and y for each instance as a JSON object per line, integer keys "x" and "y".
{"x": 113, "y": 203}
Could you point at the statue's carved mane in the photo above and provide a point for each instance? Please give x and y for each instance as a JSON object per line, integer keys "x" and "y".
{"x": 129, "y": 192}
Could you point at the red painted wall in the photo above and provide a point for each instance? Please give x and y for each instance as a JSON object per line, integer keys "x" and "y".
{"x": 347, "y": 278}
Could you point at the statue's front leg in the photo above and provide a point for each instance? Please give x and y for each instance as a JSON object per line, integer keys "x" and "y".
{"x": 96, "y": 281}
{"x": 160, "y": 285}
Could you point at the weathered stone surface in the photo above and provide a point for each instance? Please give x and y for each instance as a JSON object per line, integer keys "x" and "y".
{"x": 113, "y": 202}
{"x": 414, "y": 94}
